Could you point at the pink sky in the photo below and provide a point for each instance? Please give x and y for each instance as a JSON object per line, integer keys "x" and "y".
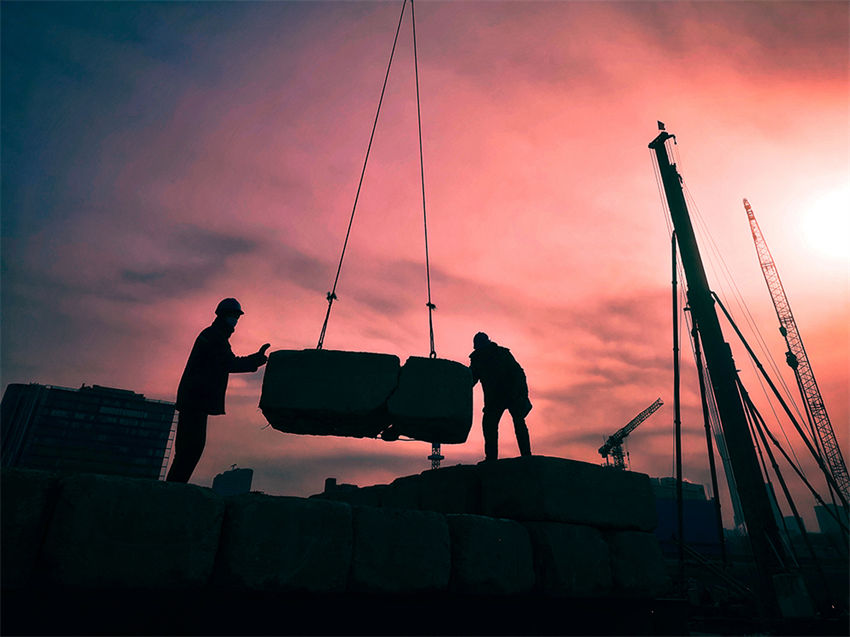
{"x": 158, "y": 158}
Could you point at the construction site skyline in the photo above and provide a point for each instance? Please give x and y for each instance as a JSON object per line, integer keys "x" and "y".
{"x": 158, "y": 158}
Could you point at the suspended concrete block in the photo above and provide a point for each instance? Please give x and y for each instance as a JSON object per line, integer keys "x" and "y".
{"x": 433, "y": 401}
{"x": 328, "y": 392}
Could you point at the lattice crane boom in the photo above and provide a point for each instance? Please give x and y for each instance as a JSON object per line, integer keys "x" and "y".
{"x": 798, "y": 361}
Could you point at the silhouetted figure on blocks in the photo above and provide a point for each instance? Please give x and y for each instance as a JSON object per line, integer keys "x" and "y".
{"x": 505, "y": 387}
{"x": 202, "y": 387}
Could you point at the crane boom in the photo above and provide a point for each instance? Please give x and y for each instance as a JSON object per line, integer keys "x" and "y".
{"x": 798, "y": 361}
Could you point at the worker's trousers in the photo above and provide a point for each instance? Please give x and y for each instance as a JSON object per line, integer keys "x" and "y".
{"x": 188, "y": 445}
{"x": 490, "y": 425}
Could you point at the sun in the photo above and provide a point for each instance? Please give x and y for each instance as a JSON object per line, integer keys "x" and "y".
{"x": 825, "y": 225}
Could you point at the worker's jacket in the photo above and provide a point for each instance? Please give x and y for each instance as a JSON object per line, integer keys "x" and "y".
{"x": 204, "y": 380}
{"x": 502, "y": 378}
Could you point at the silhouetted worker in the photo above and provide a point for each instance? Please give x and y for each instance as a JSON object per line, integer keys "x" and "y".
{"x": 505, "y": 387}
{"x": 202, "y": 387}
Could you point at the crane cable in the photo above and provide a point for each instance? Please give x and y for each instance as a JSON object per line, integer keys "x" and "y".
{"x": 331, "y": 296}
{"x": 431, "y": 306}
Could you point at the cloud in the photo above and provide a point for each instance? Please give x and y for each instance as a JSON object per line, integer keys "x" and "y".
{"x": 158, "y": 157}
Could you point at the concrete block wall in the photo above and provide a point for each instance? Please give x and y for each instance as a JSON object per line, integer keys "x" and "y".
{"x": 443, "y": 531}
{"x": 590, "y": 527}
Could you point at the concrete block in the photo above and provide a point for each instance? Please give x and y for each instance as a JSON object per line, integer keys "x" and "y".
{"x": 490, "y": 556}
{"x": 359, "y": 496}
{"x": 132, "y": 533}
{"x": 433, "y": 401}
{"x": 328, "y": 392}
{"x": 28, "y": 500}
{"x": 454, "y": 489}
{"x": 285, "y": 544}
{"x": 539, "y": 488}
{"x": 403, "y": 493}
{"x": 399, "y": 551}
{"x": 637, "y": 564}
{"x": 570, "y": 560}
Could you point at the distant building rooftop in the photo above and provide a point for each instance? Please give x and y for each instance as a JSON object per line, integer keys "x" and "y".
{"x": 91, "y": 429}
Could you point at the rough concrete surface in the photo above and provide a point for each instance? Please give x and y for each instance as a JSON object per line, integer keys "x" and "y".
{"x": 433, "y": 401}
{"x": 455, "y": 489}
{"x": 570, "y": 560}
{"x": 637, "y": 564}
{"x": 285, "y": 544}
{"x": 328, "y": 392}
{"x": 490, "y": 556}
{"x": 132, "y": 533}
{"x": 540, "y": 488}
{"x": 397, "y": 551}
{"x": 361, "y": 496}
{"x": 28, "y": 499}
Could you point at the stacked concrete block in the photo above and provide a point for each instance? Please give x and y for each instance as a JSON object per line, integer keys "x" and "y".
{"x": 399, "y": 551}
{"x": 433, "y": 401}
{"x": 131, "y": 533}
{"x": 490, "y": 556}
{"x": 539, "y": 488}
{"x": 327, "y": 392}
{"x": 285, "y": 544}
{"x": 454, "y": 489}
{"x": 503, "y": 528}
{"x": 570, "y": 560}
{"x": 28, "y": 499}
{"x": 403, "y": 493}
{"x": 358, "y": 496}
{"x": 637, "y": 564}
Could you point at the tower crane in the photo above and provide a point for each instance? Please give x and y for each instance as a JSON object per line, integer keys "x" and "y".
{"x": 614, "y": 444}
{"x": 799, "y": 362}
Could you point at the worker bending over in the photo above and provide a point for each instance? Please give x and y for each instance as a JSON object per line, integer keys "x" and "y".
{"x": 505, "y": 387}
{"x": 202, "y": 387}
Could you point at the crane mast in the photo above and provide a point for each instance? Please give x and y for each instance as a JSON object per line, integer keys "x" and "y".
{"x": 798, "y": 361}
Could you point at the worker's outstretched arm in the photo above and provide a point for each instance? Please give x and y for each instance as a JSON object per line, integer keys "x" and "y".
{"x": 250, "y": 363}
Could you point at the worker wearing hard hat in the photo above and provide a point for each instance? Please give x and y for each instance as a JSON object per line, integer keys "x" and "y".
{"x": 202, "y": 387}
{"x": 505, "y": 387}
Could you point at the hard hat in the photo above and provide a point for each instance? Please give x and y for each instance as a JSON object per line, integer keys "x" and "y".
{"x": 228, "y": 307}
{"x": 480, "y": 339}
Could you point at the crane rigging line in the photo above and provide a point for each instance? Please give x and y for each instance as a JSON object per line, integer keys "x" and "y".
{"x": 763, "y": 427}
{"x": 827, "y": 474}
{"x": 431, "y": 306}
{"x": 724, "y": 273}
{"x": 331, "y": 296}
{"x": 723, "y": 269}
